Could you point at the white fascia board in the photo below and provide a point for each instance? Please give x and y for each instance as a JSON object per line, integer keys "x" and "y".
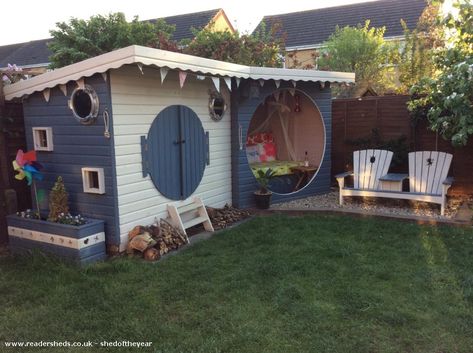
{"x": 72, "y": 72}
{"x": 267, "y": 73}
{"x": 172, "y": 60}
{"x": 161, "y": 58}
{"x": 32, "y": 66}
{"x": 321, "y": 45}
{"x": 305, "y": 47}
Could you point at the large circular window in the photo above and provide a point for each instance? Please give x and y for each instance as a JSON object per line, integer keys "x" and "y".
{"x": 286, "y": 137}
{"x": 84, "y": 104}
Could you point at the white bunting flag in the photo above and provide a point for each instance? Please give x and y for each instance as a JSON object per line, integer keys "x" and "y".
{"x": 278, "y": 83}
{"x": 237, "y": 79}
{"x": 104, "y": 76}
{"x": 140, "y": 66}
{"x": 63, "y": 89}
{"x": 80, "y": 83}
{"x": 46, "y": 94}
{"x": 182, "y": 78}
{"x": 216, "y": 81}
{"x": 292, "y": 91}
{"x": 294, "y": 83}
{"x": 200, "y": 77}
{"x": 163, "y": 71}
{"x": 261, "y": 82}
{"x": 228, "y": 81}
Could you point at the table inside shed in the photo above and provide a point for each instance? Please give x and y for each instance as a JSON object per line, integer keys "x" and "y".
{"x": 304, "y": 174}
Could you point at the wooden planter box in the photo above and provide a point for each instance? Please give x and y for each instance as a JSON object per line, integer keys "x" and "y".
{"x": 81, "y": 244}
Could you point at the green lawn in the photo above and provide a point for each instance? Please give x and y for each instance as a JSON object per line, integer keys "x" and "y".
{"x": 274, "y": 284}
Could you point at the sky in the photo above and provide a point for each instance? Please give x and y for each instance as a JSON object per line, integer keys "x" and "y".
{"x": 33, "y": 19}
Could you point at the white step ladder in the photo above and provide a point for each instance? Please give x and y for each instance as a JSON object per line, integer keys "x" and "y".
{"x": 188, "y": 214}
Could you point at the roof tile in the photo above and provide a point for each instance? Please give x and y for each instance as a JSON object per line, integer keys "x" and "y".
{"x": 314, "y": 27}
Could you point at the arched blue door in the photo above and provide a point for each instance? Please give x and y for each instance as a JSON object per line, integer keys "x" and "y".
{"x": 175, "y": 152}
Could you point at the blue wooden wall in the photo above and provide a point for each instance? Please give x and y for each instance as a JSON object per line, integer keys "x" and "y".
{"x": 77, "y": 146}
{"x": 245, "y": 100}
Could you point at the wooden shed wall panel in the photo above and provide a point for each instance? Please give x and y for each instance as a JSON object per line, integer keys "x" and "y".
{"x": 75, "y": 146}
{"x": 137, "y": 99}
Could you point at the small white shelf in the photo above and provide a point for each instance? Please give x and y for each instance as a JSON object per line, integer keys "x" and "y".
{"x": 93, "y": 180}
{"x": 43, "y": 138}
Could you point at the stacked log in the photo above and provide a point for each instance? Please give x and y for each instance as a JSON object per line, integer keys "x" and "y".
{"x": 226, "y": 216}
{"x": 155, "y": 240}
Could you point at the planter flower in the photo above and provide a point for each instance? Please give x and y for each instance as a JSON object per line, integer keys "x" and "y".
{"x": 263, "y": 195}
{"x": 73, "y": 238}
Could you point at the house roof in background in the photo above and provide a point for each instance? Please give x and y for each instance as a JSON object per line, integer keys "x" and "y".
{"x": 37, "y": 52}
{"x": 26, "y": 54}
{"x": 313, "y": 27}
{"x": 157, "y": 58}
{"x": 185, "y": 22}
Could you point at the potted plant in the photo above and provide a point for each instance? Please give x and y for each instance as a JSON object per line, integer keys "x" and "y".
{"x": 71, "y": 237}
{"x": 263, "y": 195}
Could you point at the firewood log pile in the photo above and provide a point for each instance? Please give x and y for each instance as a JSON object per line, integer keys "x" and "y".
{"x": 155, "y": 240}
{"x": 226, "y": 216}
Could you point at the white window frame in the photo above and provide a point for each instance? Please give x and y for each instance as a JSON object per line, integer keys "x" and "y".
{"x": 86, "y": 180}
{"x": 49, "y": 139}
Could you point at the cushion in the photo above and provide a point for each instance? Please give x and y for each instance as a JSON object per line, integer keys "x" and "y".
{"x": 252, "y": 153}
{"x": 267, "y": 151}
{"x": 261, "y": 137}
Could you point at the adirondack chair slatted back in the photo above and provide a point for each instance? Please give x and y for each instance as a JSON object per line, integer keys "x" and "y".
{"x": 369, "y": 166}
{"x": 428, "y": 170}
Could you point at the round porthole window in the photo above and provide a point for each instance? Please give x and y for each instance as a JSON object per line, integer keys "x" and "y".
{"x": 217, "y": 106}
{"x": 84, "y": 104}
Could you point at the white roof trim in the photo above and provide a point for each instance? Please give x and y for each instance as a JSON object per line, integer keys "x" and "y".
{"x": 322, "y": 45}
{"x": 161, "y": 58}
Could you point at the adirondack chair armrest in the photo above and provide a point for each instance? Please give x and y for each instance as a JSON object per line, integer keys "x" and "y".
{"x": 341, "y": 184}
{"x": 394, "y": 177}
{"x": 341, "y": 180}
{"x": 448, "y": 181}
{"x": 343, "y": 175}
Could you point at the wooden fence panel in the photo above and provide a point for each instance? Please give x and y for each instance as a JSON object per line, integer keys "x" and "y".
{"x": 14, "y": 194}
{"x": 354, "y": 119}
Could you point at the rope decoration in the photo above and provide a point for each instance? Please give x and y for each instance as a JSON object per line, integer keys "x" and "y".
{"x": 106, "y": 122}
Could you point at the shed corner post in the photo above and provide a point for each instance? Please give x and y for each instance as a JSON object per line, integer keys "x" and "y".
{"x": 235, "y": 143}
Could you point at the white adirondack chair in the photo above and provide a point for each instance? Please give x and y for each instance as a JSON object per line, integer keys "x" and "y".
{"x": 368, "y": 167}
{"x": 428, "y": 179}
{"x": 428, "y": 172}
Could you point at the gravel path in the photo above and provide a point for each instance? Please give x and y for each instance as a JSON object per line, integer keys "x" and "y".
{"x": 375, "y": 205}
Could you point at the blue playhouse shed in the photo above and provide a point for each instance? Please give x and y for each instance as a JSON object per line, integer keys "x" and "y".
{"x": 137, "y": 129}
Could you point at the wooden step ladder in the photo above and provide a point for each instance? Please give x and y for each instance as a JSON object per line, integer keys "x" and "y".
{"x": 188, "y": 214}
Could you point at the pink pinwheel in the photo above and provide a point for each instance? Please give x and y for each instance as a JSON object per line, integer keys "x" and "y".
{"x": 26, "y": 166}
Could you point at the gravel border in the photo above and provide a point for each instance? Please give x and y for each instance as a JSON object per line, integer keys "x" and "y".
{"x": 375, "y": 205}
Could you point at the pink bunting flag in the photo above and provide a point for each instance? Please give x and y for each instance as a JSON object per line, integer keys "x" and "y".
{"x": 182, "y": 78}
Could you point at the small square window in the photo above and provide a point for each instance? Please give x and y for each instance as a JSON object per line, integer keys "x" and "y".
{"x": 43, "y": 139}
{"x": 93, "y": 180}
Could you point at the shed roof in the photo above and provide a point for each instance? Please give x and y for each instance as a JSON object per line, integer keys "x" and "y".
{"x": 135, "y": 54}
{"x": 313, "y": 27}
